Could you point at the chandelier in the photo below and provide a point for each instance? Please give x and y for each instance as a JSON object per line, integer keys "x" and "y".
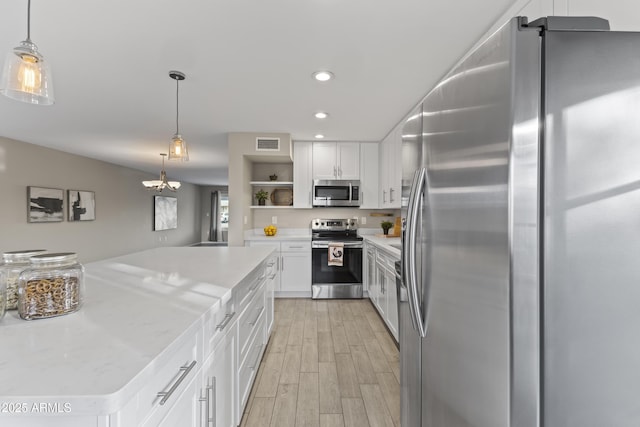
{"x": 162, "y": 183}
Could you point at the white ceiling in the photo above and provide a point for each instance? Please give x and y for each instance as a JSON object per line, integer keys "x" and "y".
{"x": 248, "y": 65}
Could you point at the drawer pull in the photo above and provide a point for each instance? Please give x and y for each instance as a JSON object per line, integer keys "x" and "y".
{"x": 255, "y": 361}
{"x": 296, "y": 247}
{"x": 167, "y": 394}
{"x": 225, "y": 322}
{"x": 253, "y": 323}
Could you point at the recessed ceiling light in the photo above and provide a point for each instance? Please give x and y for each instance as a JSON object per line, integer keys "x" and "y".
{"x": 321, "y": 115}
{"x": 323, "y": 76}
{"x": 319, "y": 136}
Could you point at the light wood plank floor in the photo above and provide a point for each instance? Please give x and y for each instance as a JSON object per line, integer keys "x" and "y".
{"x": 328, "y": 363}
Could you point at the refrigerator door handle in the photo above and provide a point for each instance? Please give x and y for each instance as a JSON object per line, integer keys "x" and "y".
{"x": 410, "y": 250}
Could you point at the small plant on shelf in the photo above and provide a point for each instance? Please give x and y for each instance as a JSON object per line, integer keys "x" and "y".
{"x": 386, "y": 225}
{"x": 261, "y": 196}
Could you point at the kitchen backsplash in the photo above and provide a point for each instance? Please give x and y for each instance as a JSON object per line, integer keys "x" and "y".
{"x": 301, "y": 218}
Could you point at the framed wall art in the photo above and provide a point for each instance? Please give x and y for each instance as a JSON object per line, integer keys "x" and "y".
{"x": 165, "y": 213}
{"x": 81, "y": 205}
{"x": 45, "y": 204}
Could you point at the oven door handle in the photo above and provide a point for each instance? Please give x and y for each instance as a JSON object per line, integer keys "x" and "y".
{"x": 325, "y": 245}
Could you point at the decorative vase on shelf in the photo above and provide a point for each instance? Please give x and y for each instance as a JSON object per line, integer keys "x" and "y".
{"x": 261, "y": 196}
{"x": 273, "y": 177}
{"x": 386, "y": 225}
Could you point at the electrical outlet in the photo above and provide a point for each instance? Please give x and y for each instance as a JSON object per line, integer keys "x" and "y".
{"x": 363, "y": 221}
{"x": 274, "y": 220}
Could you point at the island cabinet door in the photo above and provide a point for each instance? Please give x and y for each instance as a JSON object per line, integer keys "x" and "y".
{"x": 183, "y": 411}
{"x": 218, "y": 394}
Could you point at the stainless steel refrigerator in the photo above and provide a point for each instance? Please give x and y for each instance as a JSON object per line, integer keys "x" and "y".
{"x": 519, "y": 290}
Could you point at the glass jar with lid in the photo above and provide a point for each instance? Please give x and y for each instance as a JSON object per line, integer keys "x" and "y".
{"x": 52, "y": 285}
{"x": 12, "y": 265}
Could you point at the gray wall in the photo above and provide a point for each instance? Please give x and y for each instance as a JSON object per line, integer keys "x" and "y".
{"x": 124, "y": 208}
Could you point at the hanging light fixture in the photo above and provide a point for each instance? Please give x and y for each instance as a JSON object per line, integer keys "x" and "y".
{"x": 26, "y": 76}
{"x": 162, "y": 183}
{"x": 178, "y": 148}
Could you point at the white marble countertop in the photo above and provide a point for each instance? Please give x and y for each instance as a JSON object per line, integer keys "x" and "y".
{"x": 135, "y": 307}
{"x": 281, "y": 235}
{"x": 385, "y": 243}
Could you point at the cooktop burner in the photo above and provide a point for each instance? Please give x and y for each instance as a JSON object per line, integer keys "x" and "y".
{"x": 334, "y": 229}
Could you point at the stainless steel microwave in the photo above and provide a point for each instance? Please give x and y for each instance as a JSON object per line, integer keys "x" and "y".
{"x": 336, "y": 192}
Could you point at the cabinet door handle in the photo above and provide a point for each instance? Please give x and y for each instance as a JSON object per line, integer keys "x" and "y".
{"x": 384, "y": 196}
{"x": 390, "y": 195}
{"x": 167, "y": 394}
{"x": 210, "y": 391}
{"x": 340, "y": 171}
{"x": 335, "y": 172}
{"x": 225, "y": 321}
{"x": 282, "y": 262}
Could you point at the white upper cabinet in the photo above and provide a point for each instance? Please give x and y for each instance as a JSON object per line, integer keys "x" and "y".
{"x": 336, "y": 160}
{"x": 391, "y": 170}
{"x": 369, "y": 176}
{"x": 348, "y": 160}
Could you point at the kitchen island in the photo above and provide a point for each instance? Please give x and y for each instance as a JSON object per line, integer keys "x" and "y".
{"x": 150, "y": 326}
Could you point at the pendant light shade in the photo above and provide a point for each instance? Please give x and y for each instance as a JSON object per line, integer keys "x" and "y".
{"x": 178, "y": 147}
{"x": 26, "y": 76}
{"x": 162, "y": 183}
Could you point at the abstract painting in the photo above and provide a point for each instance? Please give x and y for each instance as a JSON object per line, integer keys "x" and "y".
{"x": 45, "y": 204}
{"x": 165, "y": 213}
{"x": 81, "y": 205}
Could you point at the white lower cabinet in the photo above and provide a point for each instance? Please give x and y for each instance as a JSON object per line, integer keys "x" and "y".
{"x": 392, "y": 301}
{"x": 381, "y": 283}
{"x": 183, "y": 411}
{"x": 293, "y": 273}
{"x": 214, "y": 393}
{"x": 218, "y": 393}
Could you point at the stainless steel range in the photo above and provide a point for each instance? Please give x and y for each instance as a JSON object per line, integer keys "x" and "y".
{"x": 336, "y": 262}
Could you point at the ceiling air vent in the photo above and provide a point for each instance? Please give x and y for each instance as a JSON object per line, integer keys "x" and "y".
{"x": 267, "y": 144}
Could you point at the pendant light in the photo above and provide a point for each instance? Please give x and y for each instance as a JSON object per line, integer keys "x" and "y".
{"x": 162, "y": 183}
{"x": 178, "y": 148}
{"x": 26, "y": 76}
